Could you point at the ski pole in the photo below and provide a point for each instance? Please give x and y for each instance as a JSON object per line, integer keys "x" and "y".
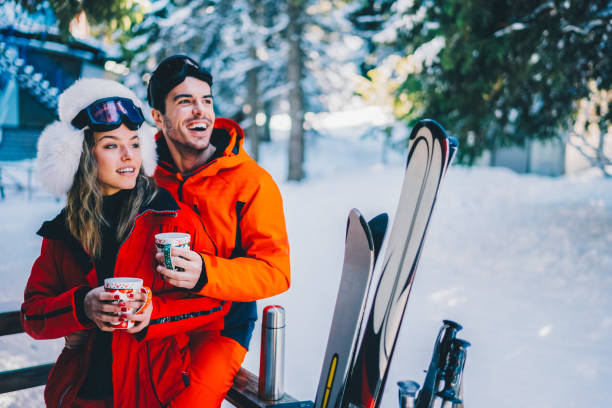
{"x": 453, "y": 375}
{"x": 446, "y": 335}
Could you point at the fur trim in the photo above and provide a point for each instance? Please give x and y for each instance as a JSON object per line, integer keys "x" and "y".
{"x": 60, "y": 144}
{"x": 59, "y": 152}
{"x": 86, "y": 91}
{"x": 148, "y": 148}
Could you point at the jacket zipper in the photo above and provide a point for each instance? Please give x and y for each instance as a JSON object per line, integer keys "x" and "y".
{"x": 114, "y": 270}
{"x": 171, "y": 168}
{"x": 151, "y": 375}
{"x": 61, "y": 400}
{"x": 180, "y": 189}
{"x": 130, "y": 233}
{"x": 132, "y": 230}
{"x": 145, "y": 212}
{"x": 182, "y": 180}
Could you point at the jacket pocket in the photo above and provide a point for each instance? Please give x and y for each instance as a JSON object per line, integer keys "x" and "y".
{"x": 169, "y": 359}
{"x": 61, "y": 387}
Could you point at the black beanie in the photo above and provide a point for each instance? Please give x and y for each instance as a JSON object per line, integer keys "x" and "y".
{"x": 170, "y": 73}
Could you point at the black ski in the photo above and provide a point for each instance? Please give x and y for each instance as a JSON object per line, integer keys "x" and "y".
{"x": 431, "y": 152}
{"x": 361, "y": 248}
{"x": 378, "y": 228}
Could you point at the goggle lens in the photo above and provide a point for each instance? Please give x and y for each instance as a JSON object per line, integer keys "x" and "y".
{"x": 109, "y": 113}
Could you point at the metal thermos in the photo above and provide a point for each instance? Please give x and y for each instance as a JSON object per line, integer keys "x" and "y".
{"x": 407, "y": 393}
{"x": 272, "y": 358}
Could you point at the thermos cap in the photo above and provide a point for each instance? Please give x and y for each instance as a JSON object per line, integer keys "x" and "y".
{"x": 273, "y": 317}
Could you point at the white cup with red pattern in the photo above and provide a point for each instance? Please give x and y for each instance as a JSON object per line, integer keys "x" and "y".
{"x": 165, "y": 241}
{"x": 124, "y": 287}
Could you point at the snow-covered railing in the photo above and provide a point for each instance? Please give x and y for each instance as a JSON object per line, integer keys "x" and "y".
{"x": 18, "y": 175}
{"x": 243, "y": 394}
{"x": 22, "y": 378}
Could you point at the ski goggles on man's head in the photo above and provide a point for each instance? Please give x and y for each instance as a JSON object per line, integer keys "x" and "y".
{"x": 108, "y": 113}
{"x": 171, "y": 72}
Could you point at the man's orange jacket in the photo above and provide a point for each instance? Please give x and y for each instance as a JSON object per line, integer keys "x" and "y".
{"x": 242, "y": 211}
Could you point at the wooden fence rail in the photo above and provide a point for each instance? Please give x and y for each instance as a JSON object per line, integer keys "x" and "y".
{"x": 243, "y": 394}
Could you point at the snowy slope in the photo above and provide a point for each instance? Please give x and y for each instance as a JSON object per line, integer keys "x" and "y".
{"x": 523, "y": 262}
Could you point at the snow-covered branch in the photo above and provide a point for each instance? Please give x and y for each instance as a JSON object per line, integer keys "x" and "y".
{"x": 521, "y": 25}
{"x": 591, "y": 153}
{"x": 510, "y": 29}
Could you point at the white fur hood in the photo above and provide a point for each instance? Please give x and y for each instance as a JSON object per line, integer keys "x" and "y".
{"x": 60, "y": 144}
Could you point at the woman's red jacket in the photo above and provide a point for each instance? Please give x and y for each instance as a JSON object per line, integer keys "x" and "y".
{"x": 149, "y": 368}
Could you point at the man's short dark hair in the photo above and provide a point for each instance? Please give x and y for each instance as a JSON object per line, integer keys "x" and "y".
{"x": 168, "y": 74}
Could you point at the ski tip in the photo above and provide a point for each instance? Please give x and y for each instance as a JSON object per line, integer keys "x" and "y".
{"x": 380, "y": 218}
{"x": 453, "y": 144}
{"x": 366, "y": 230}
{"x": 378, "y": 228}
{"x": 379, "y": 223}
{"x": 436, "y": 128}
{"x": 353, "y": 214}
{"x": 452, "y": 324}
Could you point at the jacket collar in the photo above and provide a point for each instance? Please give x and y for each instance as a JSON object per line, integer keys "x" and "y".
{"x": 57, "y": 228}
{"x": 227, "y": 136}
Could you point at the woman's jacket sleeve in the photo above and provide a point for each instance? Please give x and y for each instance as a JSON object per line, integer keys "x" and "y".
{"x": 49, "y": 310}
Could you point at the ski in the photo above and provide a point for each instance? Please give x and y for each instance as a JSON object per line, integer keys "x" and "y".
{"x": 430, "y": 154}
{"x": 378, "y": 228}
{"x": 360, "y": 251}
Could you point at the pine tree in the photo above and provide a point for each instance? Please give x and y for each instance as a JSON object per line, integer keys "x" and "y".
{"x": 235, "y": 40}
{"x": 498, "y": 78}
{"x": 108, "y": 15}
{"x": 259, "y": 59}
{"x": 296, "y": 93}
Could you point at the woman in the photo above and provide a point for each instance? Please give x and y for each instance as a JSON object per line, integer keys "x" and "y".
{"x": 102, "y": 155}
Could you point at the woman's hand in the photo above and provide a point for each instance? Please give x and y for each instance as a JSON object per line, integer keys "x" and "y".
{"x": 141, "y": 320}
{"x": 100, "y": 309}
{"x": 184, "y": 258}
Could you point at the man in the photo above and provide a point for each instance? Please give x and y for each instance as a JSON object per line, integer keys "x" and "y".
{"x": 202, "y": 163}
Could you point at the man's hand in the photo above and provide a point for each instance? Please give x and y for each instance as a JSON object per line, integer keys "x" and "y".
{"x": 184, "y": 258}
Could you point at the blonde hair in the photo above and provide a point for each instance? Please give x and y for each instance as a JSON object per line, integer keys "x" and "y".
{"x": 84, "y": 202}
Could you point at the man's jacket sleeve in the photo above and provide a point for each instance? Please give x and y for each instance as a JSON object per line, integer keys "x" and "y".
{"x": 262, "y": 269}
{"x": 49, "y": 311}
{"x": 177, "y": 310}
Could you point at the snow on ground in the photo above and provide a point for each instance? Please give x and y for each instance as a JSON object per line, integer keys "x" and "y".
{"x": 524, "y": 263}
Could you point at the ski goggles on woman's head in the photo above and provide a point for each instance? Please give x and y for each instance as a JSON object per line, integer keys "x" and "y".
{"x": 171, "y": 72}
{"x": 108, "y": 113}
